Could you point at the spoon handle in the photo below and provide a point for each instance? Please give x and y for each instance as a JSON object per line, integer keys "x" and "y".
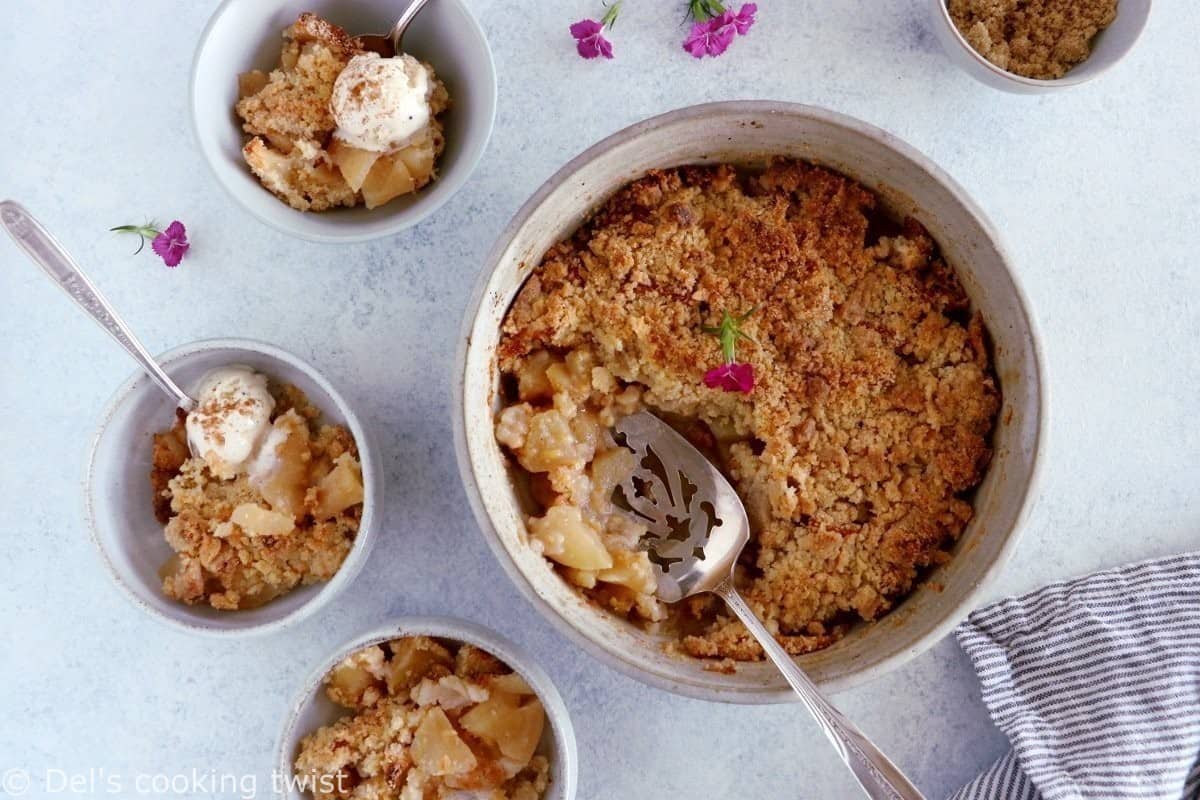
{"x": 405, "y": 20}
{"x": 48, "y": 254}
{"x": 879, "y": 777}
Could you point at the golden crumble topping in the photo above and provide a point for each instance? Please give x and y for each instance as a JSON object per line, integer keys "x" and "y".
{"x": 294, "y": 102}
{"x": 242, "y": 542}
{"x": 292, "y": 150}
{"x": 854, "y": 453}
{"x": 431, "y": 719}
{"x": 1036, "y": 38}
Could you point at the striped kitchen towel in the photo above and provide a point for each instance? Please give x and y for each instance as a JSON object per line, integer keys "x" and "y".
{"x": 1096, "y": 683}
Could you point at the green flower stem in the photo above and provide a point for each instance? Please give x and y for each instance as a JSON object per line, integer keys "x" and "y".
{"x": 728, "y": 332}
{"x": 610, "y": 16}
{"x": 144, "y": 232}
{"x": 703, "y": 10}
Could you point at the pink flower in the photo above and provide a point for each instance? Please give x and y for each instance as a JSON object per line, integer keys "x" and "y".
{"x": 589, "y": 34}
{"x": 589, "y": 39}
{"x": 715, "y": 27}
{"x": 707, "y": 39}
{"x": 744, "y": 18}
{"x": 732, "y": 377}
{"x": 171, "y": 244}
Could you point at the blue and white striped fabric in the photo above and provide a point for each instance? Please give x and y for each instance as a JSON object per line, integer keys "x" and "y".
{"x": 1096, "y": 683}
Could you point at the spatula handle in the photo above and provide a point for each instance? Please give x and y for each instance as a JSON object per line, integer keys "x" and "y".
{"x": 880, "y": 778}
{"x": 45, "y": 251}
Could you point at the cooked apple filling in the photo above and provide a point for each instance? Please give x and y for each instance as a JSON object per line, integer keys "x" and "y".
{"x": 560, "y": 433}
{"x": 431, "y": 719}
{"x": 241, "y": 542}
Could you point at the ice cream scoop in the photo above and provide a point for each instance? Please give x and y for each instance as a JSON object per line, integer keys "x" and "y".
{"x": 381, "y": 104}
{"x": 231, "y": 419}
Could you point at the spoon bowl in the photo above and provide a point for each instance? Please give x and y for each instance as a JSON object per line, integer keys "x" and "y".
{"x": 673, "y": 482}
{"x": 388, "y": 44}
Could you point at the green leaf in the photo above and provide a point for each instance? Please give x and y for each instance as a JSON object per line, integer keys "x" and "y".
{"x": 610, "y": 16}
{"x": 728, "y": 332}
{"x": 143, "y": 232}
{"x": 703, "y": 10}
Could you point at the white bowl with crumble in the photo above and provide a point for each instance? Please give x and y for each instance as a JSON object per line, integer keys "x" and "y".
{"x": 820, "y": 310}
{"x": 1038, "y": 46}
{"x": 322, "y": 138}
{"x": 428, "y": 707}
{"x": 245, "y": 514}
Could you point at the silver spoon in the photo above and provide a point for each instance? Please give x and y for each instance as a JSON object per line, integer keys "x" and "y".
{"x": 388, "y": 44}
{"x": 674, "y": 483}
{"x": 56, "y": 262}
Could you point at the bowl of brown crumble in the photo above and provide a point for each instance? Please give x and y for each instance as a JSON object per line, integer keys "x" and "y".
{"x": 1040, "y": 45}
{"x": 326, "y": 140}
{"x": 881, "y": 419}
{"x": 428, "y": 707}
{"x": 245, "y": 514}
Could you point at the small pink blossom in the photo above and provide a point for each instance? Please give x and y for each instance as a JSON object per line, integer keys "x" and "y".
{"x": 732, "y": 377}
{"x": 745, "y": 18}
{"x": 707, "y": 40}
{"x": 172, "y": 244}
{"x": 589, "y": 39}
{"x": 589, "y": 34}
{"x": 716, "y": 27}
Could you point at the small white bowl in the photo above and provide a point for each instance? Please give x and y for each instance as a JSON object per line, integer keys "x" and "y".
{"x": 120, "y": 503}
{"x": 245, "y": 34}
{"x": 908, "y": 184}
{"x": 1110, "y": 46}
{"x": 312, "y": 708}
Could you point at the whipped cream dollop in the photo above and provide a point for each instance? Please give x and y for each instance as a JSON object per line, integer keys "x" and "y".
{"x": 381, "y": 104}
{"x": 231, "y": 419}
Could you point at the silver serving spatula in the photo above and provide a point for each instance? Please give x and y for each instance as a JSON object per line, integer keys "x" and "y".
{"x": 697, "y": 527}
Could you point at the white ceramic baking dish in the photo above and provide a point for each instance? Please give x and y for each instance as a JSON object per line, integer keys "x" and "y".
{"x": 908, "y": 183}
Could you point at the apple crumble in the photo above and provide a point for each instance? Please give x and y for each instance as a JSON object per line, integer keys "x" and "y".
{"x": 431, "y": 719}
{"x": 1039, "y": 39}
{"x": 856, "y": 447}
{"x": 283, "y": 514}
{"x": 334, "y": 125}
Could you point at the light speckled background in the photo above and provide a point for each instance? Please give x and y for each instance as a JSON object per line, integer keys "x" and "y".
{"x": 1095, "y": 191}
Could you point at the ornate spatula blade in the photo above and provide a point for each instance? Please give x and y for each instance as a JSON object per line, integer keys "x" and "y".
{"x": 696, "y": 524}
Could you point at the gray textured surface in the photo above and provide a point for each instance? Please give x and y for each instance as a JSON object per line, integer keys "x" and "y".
{"x": 1095, "y": 191}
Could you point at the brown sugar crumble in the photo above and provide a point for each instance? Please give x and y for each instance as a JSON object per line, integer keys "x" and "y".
{"x": 1040, "y": 39}
{"x": 854, "y": 454}
{"x": 240, "y": 543}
